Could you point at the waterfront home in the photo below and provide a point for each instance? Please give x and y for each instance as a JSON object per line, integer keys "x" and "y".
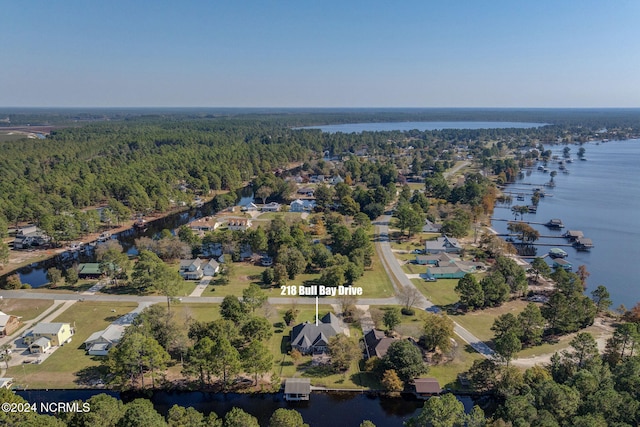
{"x": 297, "y": 389}
{"x": 47, "y": 335}
{"x": 204, "y": 225}
{"x": 271, "y": 207}
{"x": 302, "y": 205}
{"x": 562, "y": 263}
{"x": 99, "y": 343}
{"x": 583, "y": 244}
{"x": 377, "y": 343}
{"x": 30, "y": 236}
{"x": 448, "y": 272}
{"x": 308, "y": 338}
{"x": 89, "y": 270}
{"x": 426, "y": 387}
{"x": 8, "y": 324}
{"x": 238, "y": 224}
{"x": 251, "y": 207}
{"x": 442, "y": 244}
{"x": 196, "y": 269}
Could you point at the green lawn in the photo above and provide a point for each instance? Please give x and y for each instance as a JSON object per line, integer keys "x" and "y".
{"x": 25, "y": 308}
{"x": 285, "y": 367}
{"x": 441, "y": 292}
{"x": 561, "y": 344}
{"x": 62, "y": 287}
{"x": 183, "y": 312}
{"x": 69, "y": 363}
{"x": 412, "y": 268}
{"x": 479, "y": 322}
{"x": 463, "y": 358}
{"x": 375, "y": 282}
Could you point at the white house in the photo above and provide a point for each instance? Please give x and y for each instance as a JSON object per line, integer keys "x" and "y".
{"x": 302, "y": 205}
{"x": 196, "y": 269}
{"x": 99, "y": 343}
{"x": 238, "y": 224}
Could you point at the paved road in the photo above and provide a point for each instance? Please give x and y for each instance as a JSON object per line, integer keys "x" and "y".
{"x": 393, "y": 267}
{"x": 161, "y": 299}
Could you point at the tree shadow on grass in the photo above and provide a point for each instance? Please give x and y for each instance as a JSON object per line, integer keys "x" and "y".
{"x": 92, "y": 376}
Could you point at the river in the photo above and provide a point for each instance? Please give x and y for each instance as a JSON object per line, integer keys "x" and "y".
{"x": 421, "y": 126}
{"x": 323, "y": 409}
{"x": 601, "y": 197}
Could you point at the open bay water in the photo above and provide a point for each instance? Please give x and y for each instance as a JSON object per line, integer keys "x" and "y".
{"x": 421, "y": 126}
{"x": 600, "y": 197}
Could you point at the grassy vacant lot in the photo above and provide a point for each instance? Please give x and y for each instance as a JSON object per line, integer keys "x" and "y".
{"x": 63, "y": 287}
{"x": 69, "y": 364}
{"x": 25, "y": 308}
{"x": 479, "y": 322}
{"x": 441, "y": 292}
{"x": 562, "y": 343}
{"x": 183, "y": 312}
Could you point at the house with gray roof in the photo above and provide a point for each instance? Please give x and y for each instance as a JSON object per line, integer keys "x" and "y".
{"x": 196, "y": 269}
{"x": 442, "y": 244}
{"x": 377, "y": 343}
{"x": 308, "y": 338}
{"x": 99, "y": 343}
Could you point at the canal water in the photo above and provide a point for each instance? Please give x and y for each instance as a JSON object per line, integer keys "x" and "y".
{"x": 36, "y": 274}
{"x": 323, "y": 409}
{"x": 600, "y": 197}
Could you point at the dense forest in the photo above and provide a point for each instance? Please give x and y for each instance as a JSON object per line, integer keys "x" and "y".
{"x": 143, "y": 159}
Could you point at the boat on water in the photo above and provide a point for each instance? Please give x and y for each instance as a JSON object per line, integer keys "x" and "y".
{"x": 141, "y": 224}
{"x": 103, "y": 237}
{"x": 75, "y": 246}
{"x": 557, "y": 253}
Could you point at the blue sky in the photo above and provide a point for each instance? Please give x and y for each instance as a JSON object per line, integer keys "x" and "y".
{"x": 262, "y": 53}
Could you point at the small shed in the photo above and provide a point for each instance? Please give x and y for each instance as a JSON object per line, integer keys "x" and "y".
{"x": 426, "y": 387}
{"x": 296, "y": 389}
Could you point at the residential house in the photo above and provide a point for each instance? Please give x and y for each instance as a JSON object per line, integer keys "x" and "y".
{"x": 271, "y": 207}
{"x": 426, "y": 387}
{"x": 306, "y": 191}
{"x": 99, "y": 343}
{"x": 317, "y": 178}
{"x": 8, "y": 324}
{"x": 47, "y": 335}
{"x": 30, "y": 236}
{"x": 336, "y": 180}
{"x": 196, "y": 269}
{"x": 297, "y": 389}
{"x": 251, "y": 207}
{"x": 204, "y": 225}
{"x": 442, "y": 244}
{"x": 448, "y": 266}
{"x": 238, "y": 224}
{"x": 302, "y": 205}
{"x": 309, "y": 338}
{"x": 430, "y": 227}
{"x": 89, "y": 270}
{"x": 377, "y": 343}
